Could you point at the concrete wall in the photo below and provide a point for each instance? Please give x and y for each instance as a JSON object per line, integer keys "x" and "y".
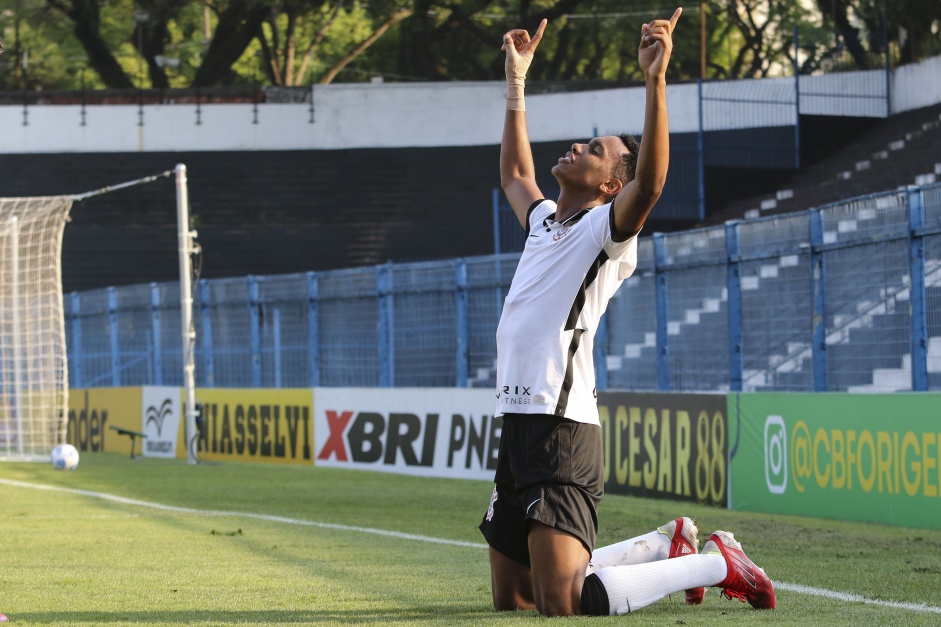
{"x": 345, "y": 116}
{"x": 440, "y": 114}
{"x": 917, "y": 85}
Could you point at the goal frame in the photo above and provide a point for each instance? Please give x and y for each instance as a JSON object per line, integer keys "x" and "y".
{"x": 18, "y": 414}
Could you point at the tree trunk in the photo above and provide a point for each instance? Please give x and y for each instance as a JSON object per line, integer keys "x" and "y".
{"x": 236, "y": 28}
{"x": 271, "y": 65}
{"x": 86, "y": 26}
{"x": 321, "y": 33}
{"x": 393, "y": 19}
{"x": 154, "y": 46}
{"x": 290, "y": 49}
{"x": 850, "y": 35}
{"x": 415, "y": 55}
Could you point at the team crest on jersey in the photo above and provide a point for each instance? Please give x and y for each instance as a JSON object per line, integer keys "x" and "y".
{"x": 558, "y": 235}
{"x": 493, "y": 499}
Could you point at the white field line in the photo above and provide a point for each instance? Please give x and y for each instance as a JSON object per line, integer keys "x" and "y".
{"x": 209, "y": 512}
{"x": 779, "y": 585}
{"x": 854, "y": 598}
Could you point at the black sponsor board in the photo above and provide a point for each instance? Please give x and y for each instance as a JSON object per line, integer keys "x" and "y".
{"x": 671, "y": 446}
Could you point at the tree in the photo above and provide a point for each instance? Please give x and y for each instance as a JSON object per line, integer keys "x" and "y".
{"x": 389, "y": 21}
{"x": 41, "y": 49}
{"x": 202, "y": 43}
{"x": 753, "y": 38}
{"x": 861, "y": 27}
{"x": 238, "y": 23}
{"x": 86, "y": 22}
{"x": 289, "y": 36}
{"x": 154, "y": 35}
{"x": 587, "y": 39}
{"x": 296, "y": 28}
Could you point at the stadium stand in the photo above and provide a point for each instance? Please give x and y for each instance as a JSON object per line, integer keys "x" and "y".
{"x": 270, "y": 212}
{"x": 904, "y": 149}
{"x": 868, "y": 318}
{"x": 273, "y": 212}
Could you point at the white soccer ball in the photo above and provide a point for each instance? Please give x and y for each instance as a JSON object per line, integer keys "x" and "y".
{"x": 64, "y": 457}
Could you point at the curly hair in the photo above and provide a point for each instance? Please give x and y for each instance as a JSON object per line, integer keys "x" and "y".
{"x": 626, "y": 167}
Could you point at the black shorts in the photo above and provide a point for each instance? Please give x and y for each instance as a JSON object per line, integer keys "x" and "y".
{"x": 551, "y": 470}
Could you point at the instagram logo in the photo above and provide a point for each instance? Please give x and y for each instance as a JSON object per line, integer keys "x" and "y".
{"x": 775, "y": 454}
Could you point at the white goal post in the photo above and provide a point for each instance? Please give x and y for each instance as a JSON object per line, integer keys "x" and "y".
{"x": 34, "y": 383}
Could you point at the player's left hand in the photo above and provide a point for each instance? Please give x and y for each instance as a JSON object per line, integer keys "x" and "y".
{"x": 656, "y": 45}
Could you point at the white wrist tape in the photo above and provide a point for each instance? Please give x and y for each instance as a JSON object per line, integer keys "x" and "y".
{"x": 514, "y": 93}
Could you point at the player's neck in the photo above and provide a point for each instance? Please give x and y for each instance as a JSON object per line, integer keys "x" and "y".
{"x": 572, "y": 201}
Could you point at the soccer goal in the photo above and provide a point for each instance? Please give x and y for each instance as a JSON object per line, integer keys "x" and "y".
{"x": 33, "y": 370}
{"x": 34, "y": 383}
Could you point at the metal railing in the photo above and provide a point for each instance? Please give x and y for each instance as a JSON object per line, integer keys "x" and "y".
{"x": 840, "y": 298}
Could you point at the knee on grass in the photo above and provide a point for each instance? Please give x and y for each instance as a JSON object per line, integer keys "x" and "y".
{"x": 558, "y": 604}
{"x": 511, "y": 602}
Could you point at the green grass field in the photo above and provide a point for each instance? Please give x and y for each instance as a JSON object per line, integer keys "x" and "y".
{"x": 253, "y": 544}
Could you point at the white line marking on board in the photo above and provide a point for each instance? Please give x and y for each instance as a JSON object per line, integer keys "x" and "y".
{"x": 779, "y": 585}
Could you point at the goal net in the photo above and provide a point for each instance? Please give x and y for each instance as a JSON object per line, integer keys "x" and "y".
{"x": 33, "y": 375}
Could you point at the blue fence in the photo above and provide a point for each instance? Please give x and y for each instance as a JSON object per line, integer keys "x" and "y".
{"x": 845, "y": 297}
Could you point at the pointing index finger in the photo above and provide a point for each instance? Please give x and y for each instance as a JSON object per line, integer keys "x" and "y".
{"x": 538, "y": 36}
{"x": 676, "y": 16}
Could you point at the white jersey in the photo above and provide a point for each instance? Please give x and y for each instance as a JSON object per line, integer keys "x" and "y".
{"x": 566, "y": 275}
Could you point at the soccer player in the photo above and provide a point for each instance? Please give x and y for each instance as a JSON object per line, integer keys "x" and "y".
{"x": 542, "y": 521}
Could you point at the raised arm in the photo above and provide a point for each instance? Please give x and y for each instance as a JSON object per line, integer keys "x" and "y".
{"x": 640, "y": 195}
{"x": 517, "y": 172}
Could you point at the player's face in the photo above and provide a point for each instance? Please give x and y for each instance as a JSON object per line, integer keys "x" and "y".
{"x": 589, "y": 165}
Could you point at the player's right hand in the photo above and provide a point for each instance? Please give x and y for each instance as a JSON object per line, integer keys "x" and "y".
{"x": 519, "y": 50}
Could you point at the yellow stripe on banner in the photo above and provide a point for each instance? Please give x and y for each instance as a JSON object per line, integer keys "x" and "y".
{"x": 255, "y": 425}
{"x": 92, "y": 411}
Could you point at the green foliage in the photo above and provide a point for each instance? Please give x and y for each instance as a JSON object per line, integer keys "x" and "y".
{"x": 352, "y": 24}
{"x": 351, "y": 27}
{"x": 860, "y": 31}
{"x": 267, "y": 41}
{"x": 43, "y": 54}
{"x": 72, "y": 558}
{"x": 186, "y": 44}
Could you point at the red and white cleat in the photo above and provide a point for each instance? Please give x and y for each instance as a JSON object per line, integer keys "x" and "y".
{"x": 745, "y": 581}
{"x": 684, "y": 540}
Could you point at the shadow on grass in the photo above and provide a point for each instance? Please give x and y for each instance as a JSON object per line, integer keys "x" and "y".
{"x": 352, "y": 617}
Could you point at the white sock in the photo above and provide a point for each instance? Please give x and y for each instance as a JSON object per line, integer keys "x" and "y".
{"x": 649, "y": 547}
{"x": 630, "y": 588}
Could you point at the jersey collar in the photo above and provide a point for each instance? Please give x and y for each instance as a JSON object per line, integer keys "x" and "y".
{"x": 571, "y": 220}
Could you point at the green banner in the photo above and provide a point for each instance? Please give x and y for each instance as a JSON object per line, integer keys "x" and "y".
{"x": 848, "y": 456}
{"x": 665, "y": 445}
